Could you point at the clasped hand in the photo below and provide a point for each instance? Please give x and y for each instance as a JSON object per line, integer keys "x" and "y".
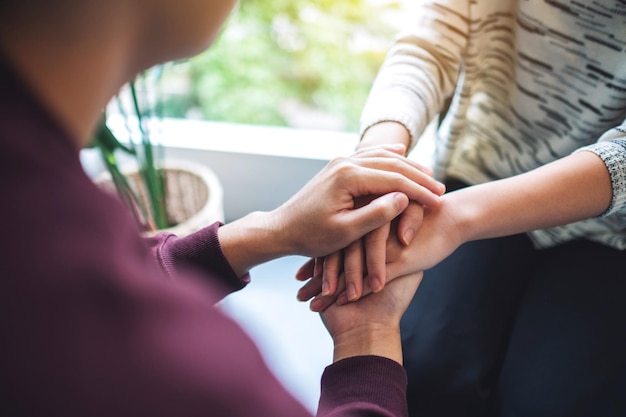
{"x": 413, "y": 242}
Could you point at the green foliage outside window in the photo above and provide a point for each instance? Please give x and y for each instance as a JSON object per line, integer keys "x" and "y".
{"x": 304, "y": 63}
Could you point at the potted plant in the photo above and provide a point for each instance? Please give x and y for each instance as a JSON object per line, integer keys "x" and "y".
{"x": 162, "y": 194}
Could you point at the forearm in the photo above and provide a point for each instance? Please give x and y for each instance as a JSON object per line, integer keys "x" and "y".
{"x": 250, "y": 241}
{"x": 571, "y": 189}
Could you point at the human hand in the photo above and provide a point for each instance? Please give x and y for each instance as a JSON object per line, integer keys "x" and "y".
{"x": 438, "y": 236}
{"x": 323, "y": 216}
{"x": 328, "y": 213}
{"x": 371, "y": 326}
{"x": 362, "y": 260}
{"x": 390, "y": 132}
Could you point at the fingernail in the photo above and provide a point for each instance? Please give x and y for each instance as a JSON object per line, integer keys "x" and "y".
{"x": 407, "y": 237}
{"x": 316, "y": 304}
{"x": 376, "y": 286}
{"x": 352, "y": 292}
{"x": 342, "y": 299}
{"x": 302, "y": 296}
{"x": 325, "y": 288}
{"x": 400, "y": 200}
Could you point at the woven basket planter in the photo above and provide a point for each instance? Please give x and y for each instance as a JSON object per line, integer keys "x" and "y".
{"x": 194, "y": 195}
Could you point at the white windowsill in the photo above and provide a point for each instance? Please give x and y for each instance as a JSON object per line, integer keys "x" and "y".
{"x": 260, "y": 167}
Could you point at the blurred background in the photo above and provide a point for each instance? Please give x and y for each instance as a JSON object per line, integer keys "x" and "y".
{"x": 296, "y": 63}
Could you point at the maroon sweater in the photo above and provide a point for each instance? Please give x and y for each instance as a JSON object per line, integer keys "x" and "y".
{"x": 96, "y": 321}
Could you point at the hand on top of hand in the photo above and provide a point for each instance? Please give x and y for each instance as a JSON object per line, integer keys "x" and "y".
{"x": 372, "y": 325}
{"x": 327, "y": 214}
{"x": 438, "y": 236}
{"x": 360, "y": 267}
{"x": 363, "y": 261}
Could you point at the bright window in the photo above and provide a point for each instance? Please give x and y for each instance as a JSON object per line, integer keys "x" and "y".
{"x": 298, "y": 63}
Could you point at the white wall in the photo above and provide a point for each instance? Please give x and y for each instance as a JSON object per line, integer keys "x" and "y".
{"x": 260, "y": 167}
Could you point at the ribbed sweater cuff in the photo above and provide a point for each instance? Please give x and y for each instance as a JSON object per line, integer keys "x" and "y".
{"x": 613, "y": 153}
{"x": 364, "y": 382}
{"x": 201, "y": 251}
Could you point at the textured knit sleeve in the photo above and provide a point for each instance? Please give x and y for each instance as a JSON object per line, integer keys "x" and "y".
{"x": 610, "y": 227}
{"x": 421, "y": 68}
{"x": 363, "y": 386}
{"x": 199, "y": 253}
{"x": 612, "y": 149}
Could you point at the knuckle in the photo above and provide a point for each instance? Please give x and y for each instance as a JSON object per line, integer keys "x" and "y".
{"x": 354, "y": 248}
{"x": 397, "y": 164}
{"x": 340, "y": 163}
{"x": 376, "y": 236}
{"x": 414, "y": 210}
{"x": 374, "y": 239}
{"x": 353, "y": 273}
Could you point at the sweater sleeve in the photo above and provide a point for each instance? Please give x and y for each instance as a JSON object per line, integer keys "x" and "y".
{"x": 611, "y": 148}
{"x": 363, "y": 386}
{"x": 199, "y": 253}
{"x": 609, "y": 227}
{"x": 421, "y": 68}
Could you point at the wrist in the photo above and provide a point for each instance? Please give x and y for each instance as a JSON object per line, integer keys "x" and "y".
{"x": 371, "y": 340}
{"x": 250, "y": 241}
{"x": 463, "y": 214}
{"x": 385, "y": 133}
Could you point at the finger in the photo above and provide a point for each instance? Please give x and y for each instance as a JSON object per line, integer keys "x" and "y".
{"x": 425, "y": 169}
{"x": 375, "y": 244}
{"x": 309, "y": 290}
{"x": 410, "y": 220}
{"x": 366, "y": 154}
{"x": 353, "y": 269}
{"x": 396, "y": 148}
{"x": 409, "y": 169}
{"x": 318, "y": 270}
{"x": 314, "y": 285}
{"x": 378, "y": 212}
{"x": 379, "y": 178}
{"x": 342, "y": 297}
{"x": 330, "y": 273}
{"x": 306, "y": 271}
{"x": 394, "y": 271}
{"x": 321, "y": 303}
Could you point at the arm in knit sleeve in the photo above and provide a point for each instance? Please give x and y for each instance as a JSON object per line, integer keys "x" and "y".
{"x": 421, "y": 68}
{"x": 199, "y": 253}
{"x": 358, "y": 386}
{"x": 610, "y": 227}
{"x": 363, "y": 386}
{"x": 611, "y": 148}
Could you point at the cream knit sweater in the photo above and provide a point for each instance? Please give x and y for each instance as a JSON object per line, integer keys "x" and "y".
{"x": 531, "y": 81}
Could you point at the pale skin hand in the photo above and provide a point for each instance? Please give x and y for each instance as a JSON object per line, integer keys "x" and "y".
{"x": 363, "y": 261}
{"x": 573, "y": 188}
{"x": 371, "y": 326}
{"x": 322, "y": 218}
